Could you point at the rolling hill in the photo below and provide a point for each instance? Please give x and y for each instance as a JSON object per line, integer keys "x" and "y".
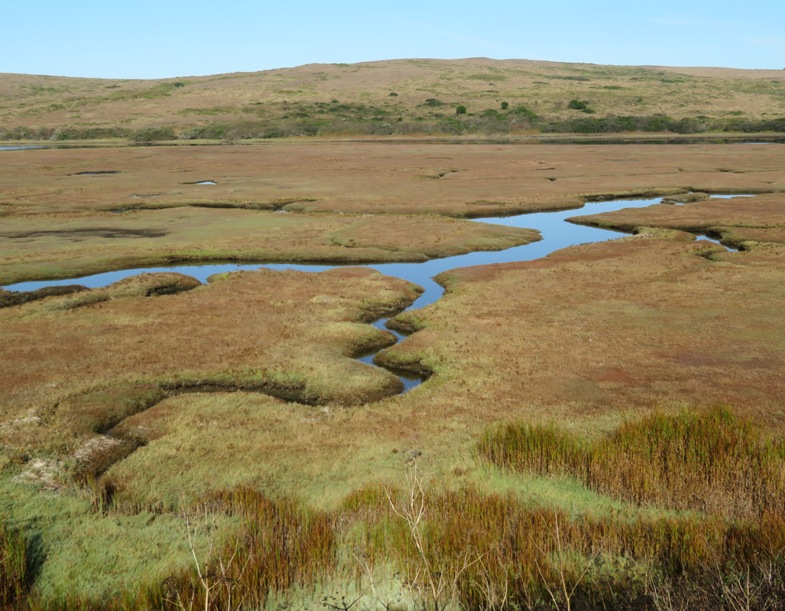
{"x": 397, "y": 97}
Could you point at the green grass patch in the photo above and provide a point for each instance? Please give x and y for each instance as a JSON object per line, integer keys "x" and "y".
{"x": 74, "y": 553}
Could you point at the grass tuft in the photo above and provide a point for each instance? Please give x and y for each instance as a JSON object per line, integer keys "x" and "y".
{"x": 13, "y": 567}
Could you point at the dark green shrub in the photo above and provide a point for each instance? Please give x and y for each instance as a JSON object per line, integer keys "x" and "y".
{"x": 775, "y": 125}
{"x": 89, "y": 133}
{"x": 687, "y": 126}
{"x": 505, "y": 105}
{"x": 577, "y": 104}
{"x": 525, "y": 112}
{"x": 273, "y": 132}
{"x": 460, "y": 109}
{"x": 213, "y": 131}
{"x": 656, "y": 123}
{"x": 153, "y": 134}
{"x": 452, "y": 125}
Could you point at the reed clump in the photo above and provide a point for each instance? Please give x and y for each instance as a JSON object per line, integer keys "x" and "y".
{"x": 13, "y": 567}
{"x": 278, "y": 546}
{"x": 708, "y": 461}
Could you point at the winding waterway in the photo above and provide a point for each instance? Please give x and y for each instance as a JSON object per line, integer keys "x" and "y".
{"x": 556, "y": 232}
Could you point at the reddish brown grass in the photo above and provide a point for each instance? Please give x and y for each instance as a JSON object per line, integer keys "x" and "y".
{"x": 367, "y": 177}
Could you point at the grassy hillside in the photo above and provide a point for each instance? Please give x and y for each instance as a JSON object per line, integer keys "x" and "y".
{"x": 414, "y": 96}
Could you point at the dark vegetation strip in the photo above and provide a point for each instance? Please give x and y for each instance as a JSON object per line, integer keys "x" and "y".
{"x": 9, "y": 298}
{"x": 74, "y": 296}
{"x": 313, "y": 120}
{"x": 87, "y": 232}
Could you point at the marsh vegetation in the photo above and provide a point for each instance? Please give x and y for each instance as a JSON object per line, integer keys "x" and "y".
{"x": 169, "y": 444}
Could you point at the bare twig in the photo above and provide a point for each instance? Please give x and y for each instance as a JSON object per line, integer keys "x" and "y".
{"x": 441, "y": 584}
{"x": 210, "y": 581}
{"x": 566, "y": 592}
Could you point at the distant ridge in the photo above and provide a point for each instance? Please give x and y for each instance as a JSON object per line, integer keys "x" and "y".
{"x": 407, "y": 96}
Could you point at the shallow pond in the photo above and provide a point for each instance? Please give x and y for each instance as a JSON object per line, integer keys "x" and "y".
{"x": 556, "y": 232}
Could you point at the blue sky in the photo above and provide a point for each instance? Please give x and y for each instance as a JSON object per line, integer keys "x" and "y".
{"x": 167, "y": 38}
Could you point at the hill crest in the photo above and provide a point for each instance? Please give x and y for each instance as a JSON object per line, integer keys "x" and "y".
{"x": 424, "y": 95}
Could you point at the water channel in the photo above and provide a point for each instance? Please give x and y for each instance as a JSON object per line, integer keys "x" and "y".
{"x": 556, "y": 232}
{"x": 21, "y": 147}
